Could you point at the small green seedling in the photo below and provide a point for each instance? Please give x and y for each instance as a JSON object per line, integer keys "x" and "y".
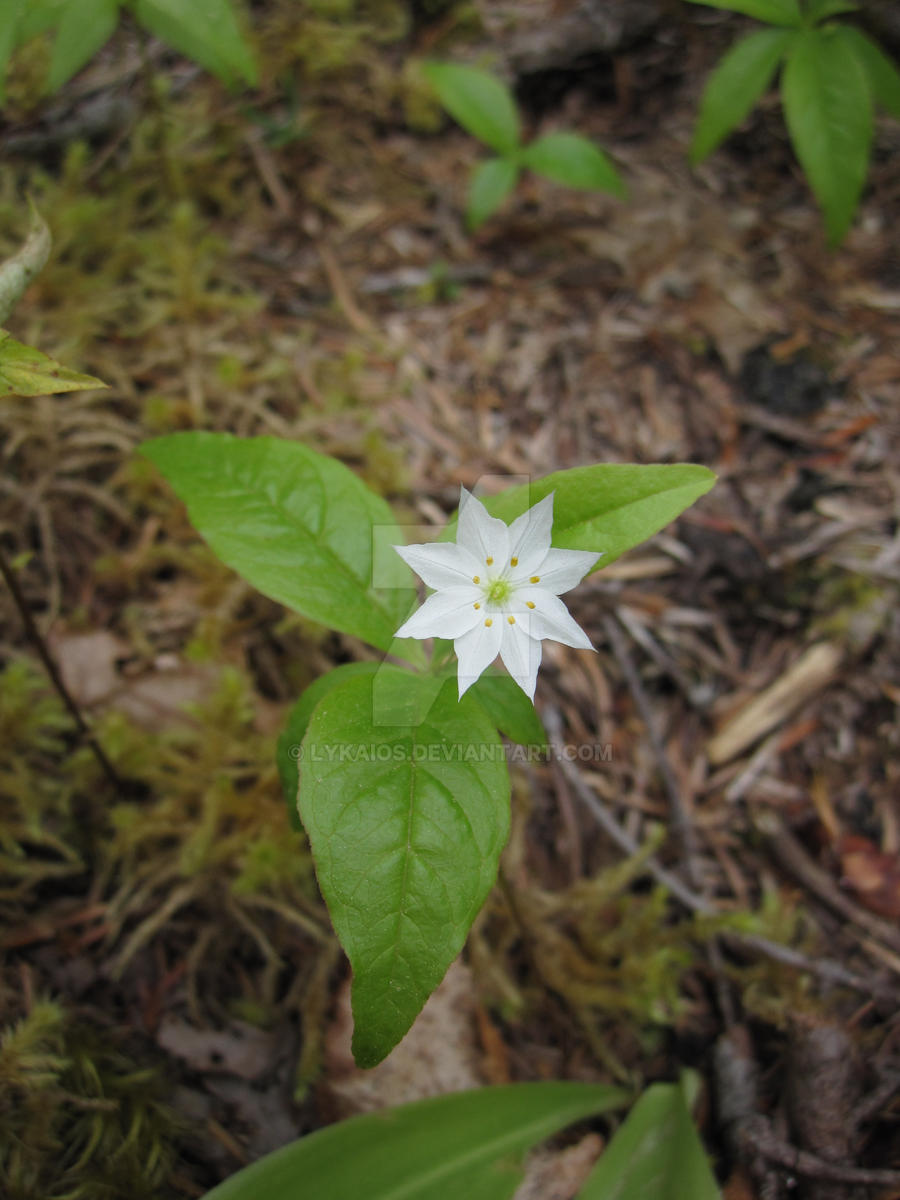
{"x": 832, "y": 77}
{"x": 485, "y": 107}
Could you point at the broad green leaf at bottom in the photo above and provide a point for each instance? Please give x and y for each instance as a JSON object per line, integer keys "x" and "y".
{"x": 467, "y": 1144}
{"x": 406, "y": 825}
{"x": 656, "y": 1153}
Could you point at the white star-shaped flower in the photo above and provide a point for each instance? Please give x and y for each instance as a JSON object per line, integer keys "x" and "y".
{"x": 497, "y": 591}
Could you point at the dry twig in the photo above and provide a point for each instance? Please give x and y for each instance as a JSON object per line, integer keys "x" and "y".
{"x": 825, "y": 969}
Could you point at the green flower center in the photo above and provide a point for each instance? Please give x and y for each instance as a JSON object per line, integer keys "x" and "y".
{"x": 498, "y": 591}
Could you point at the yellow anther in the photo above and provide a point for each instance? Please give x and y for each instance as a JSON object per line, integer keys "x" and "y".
{"x": 513, "y": 562}
{"x": 533, "y": 579}
{"x": 512, "y": 620}
{"x": 489, "y": 622}
{"x": 477, "y": 605}
{"x": 528, "y": 604}
{"x": 475, "y": 579}
{"x": 488, "y": 561}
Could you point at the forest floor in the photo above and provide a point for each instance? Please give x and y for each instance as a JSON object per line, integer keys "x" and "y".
{"x": 294, "y": 262}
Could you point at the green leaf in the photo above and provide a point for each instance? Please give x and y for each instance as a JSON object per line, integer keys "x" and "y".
{"x": 608, "y": 508}
{"x": 288, "y": 750}
{"x": 206, "y": 31}
{"x": 775, "y": 12}
{"x": 85, "y": 26}
{"x": 468, "y": 1144}
{"x": 406, "y": 825}
{"x": 297, "y": 525}
{"x": 479, "y": 102}
{"x": 491, "y": 183}
{"x": 656, "y": 1152}
{"x": 39, "y": 16}
{"x": 736, "y": 84}
{"x": 828, "y": 109}
{"x": 10, "y": 22}
{"x": 819, "y": 10}
{"x": 17, "y": 271}
{"x": 881, "y": 71}
{"x": 25, "y": 371}
{"x": 572, "y": 160}
{"x": 510, "y": 709}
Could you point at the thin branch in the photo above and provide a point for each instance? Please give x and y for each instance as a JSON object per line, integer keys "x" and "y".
{"x": 824, "y": 968}
{"x": 680, "y": 816}
{"x": 791, "y": 855}
{"x": 759, "y": 1136}
{"x": 37, "y": 638}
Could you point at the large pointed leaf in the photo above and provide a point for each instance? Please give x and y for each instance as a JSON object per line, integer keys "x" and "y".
{"x": 204, "y": 30}
{"x": 479, "y": 102}
{"x": 25, "y": 371}
{"x": 406, "y": 824}
{"x": 828, "y": 108}
{"x": 735, "y": 85}
{"x": 881, "y": 71}
{"x": 467, "y": 1144}
{"x": 655, "y": 1153}
{"x": 296, "y": 524}
{"x": 607, "y": 508}
{"x": 85, "y": 26}
{"x": 775, "y": 12}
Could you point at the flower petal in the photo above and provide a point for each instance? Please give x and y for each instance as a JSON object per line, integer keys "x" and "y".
{"x": 529, "y": 538}
{"x": 521, "y": 656}
{"x": 440, "y": 564}
{"x": 563, "y": 569}
{"x": 549, "y": 618}
{"x": 483, "y": 536}
{"x": 476, "y": 650}
{"x": 447, "y": 614}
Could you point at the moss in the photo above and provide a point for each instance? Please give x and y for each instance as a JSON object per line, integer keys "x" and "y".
{"x": 623, "y": 960}
{"x": 40, "y": 838}
{"x": 79, "y": 1119}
